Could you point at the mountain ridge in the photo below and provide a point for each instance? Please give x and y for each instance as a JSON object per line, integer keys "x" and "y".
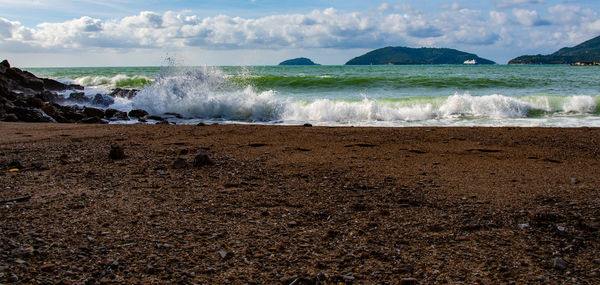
{"x": 588, "y": 51}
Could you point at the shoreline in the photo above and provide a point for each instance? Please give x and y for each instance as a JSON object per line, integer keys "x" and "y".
{"x": 306, "y": 204}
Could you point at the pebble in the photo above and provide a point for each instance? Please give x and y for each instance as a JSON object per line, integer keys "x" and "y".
{"x": 574, "y": 181}
{"x": 559, "y": 264}
{"x": 409, "y": 281}
{"x": 202, "y": 159}
{"x": 116, "y": 152}
{"x": 180, "y": 163}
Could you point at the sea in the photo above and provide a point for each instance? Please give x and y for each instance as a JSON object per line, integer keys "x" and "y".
{"x": 386, "y": 96}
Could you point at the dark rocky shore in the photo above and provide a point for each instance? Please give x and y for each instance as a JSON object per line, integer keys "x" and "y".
{"x": 25, "y": 97}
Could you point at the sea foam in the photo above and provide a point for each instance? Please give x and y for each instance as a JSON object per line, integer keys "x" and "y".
{"x": 209, "y": 94}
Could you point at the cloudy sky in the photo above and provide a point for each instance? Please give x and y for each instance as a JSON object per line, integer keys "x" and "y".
{"x": 265, "y": 32}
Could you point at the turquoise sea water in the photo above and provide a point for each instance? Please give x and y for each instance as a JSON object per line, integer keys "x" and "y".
{"x": 441, "y": 95}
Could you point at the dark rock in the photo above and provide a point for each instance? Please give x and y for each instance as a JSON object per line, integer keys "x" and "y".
{"x": 178, "y": 116}
{"x": 70, "y": 113}
{"x": 35, "y": 102}
{"x": 51, "y": 111}
{"x": 308, "y": 125}
{"x": 201, "y": 124}
{"x": 78, "y": 97}
{"x": 92, "y": 120}
{"x": 51, "y": 84}
{"x": 10, "y": 118}
{"x": 31, "y": 115}
{"x": 202, "y": 159}
{"x": 93, "y": 112}
{"x": 180, "y": 163}
{"x": 115, "y": 115}
{"x": 4, "y": 65}
{"x": 138, "y": 113}
{"x": 15, "y": 164}
{"x": 48, "y": 96}
{"x": 162, "y": 123}
{"x": 559, "y": 264}
{"x": 116, "y": 152}
{"x": 24, "y": 80}
{"x": 124, "y": 93}
{"x": 156, "y": 118}
{"x": 103, "y": 100}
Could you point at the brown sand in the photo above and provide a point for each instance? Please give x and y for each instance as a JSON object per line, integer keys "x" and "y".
{"x": 299, "y": 204}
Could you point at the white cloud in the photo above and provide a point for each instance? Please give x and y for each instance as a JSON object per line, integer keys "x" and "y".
{"x": 528, "y": 17}
{"x": 516, "y": 3}
{"x": 455, "y": 27}
{"x": 498, "y": 18}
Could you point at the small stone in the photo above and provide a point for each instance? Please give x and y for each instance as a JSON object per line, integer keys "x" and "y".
{"x": 202, "y": 159}
{"x": 225, "y": 254}
{"x": 559, "y": 264}
{"x": 12, "y": 278}
{"x": 574, "y": 181}
{"x": 20, "y": 261}
{"x": 524, "y": 226}
{"x": 3, "y": 268}
{"x": 47, "y": 267}
{"x": 116, "y": 152}
{"x": 409, "y": 281}
{"x": 180, "y": 163}
{"x": 308, "y": 125}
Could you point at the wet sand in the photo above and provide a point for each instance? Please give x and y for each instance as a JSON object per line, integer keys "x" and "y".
{"x": 285, "y": 204}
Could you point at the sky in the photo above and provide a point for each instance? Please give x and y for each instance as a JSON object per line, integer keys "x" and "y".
{"x": 55, "y": 33}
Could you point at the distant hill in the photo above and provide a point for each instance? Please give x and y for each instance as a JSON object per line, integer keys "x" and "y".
{"x": 588, "y": 51}
{"x": 298, "y": 61}
{"x": 405, "y": 55}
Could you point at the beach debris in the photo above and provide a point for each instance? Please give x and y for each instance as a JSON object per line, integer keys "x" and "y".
{"x": 202, "y": 159}
{"x": 559, "y": 263}
{"x": 16, "y": 200}
{"x": 180, "y": 163}
{"x": 257, "y": 144}
{"x": 13, "y": 170}
{"x": 409, "y": 281}
{"x": 560, "y": 228}
{"x": 92, "y": 120}
{"x": 116, "y": 152}
{"x": 574, "y": 181}
{"x": 524, "y": 226}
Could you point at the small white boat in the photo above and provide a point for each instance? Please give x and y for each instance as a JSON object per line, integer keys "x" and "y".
{"x": 472, "y": 61}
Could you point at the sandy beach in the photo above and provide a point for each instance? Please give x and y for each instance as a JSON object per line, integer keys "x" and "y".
{"x": 298, "y": 205}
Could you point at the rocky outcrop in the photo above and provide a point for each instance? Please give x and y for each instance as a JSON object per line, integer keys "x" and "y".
{"x": 27, "y": 98}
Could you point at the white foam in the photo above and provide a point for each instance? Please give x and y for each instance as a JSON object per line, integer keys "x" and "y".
{"x": 205, "y": 93}
{"x": 580, "y": 104}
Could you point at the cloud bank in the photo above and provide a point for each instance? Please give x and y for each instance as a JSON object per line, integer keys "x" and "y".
{"x": 388, "y": 25}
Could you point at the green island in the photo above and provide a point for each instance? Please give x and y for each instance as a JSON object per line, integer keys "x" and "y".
{"x": 586, "y": 53}
{"x": 408, "y": 56}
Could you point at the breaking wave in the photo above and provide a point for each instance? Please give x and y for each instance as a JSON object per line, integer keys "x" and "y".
{"x": 117, "y": 81}
{"x": 206, "y": 93}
